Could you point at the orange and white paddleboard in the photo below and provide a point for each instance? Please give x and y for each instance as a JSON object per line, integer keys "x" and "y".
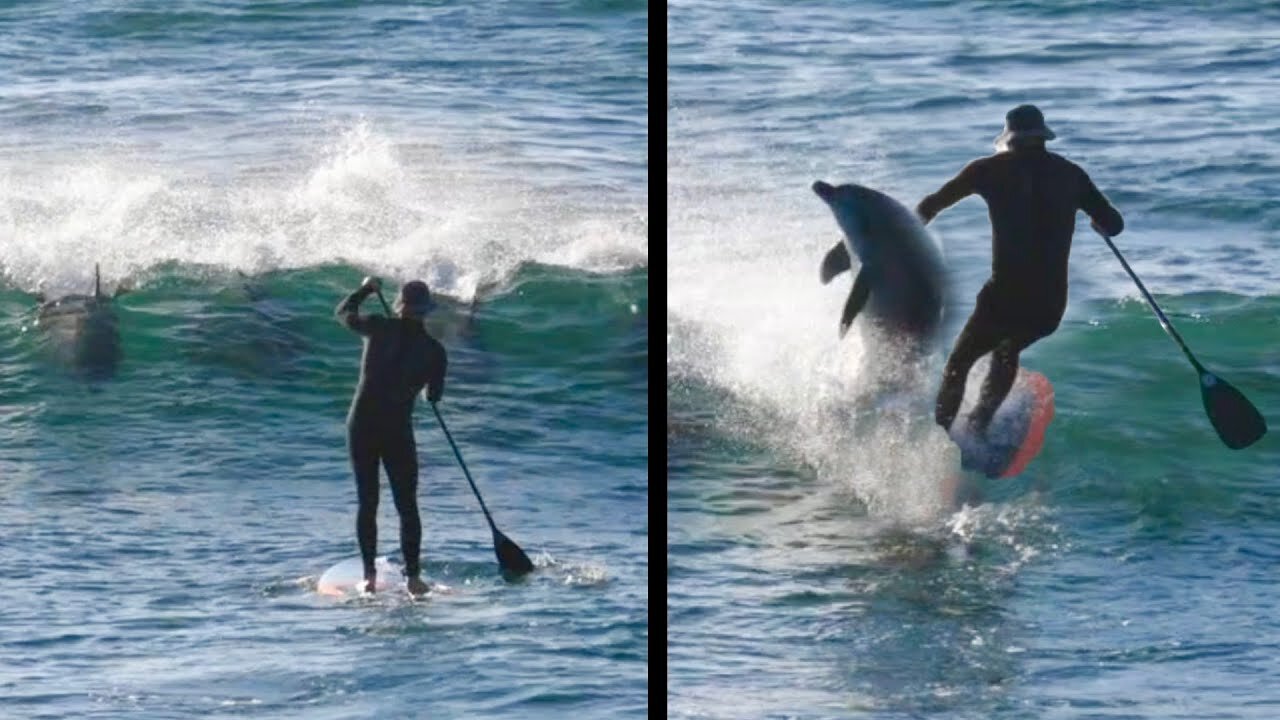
{"x": 1017, "y": 431}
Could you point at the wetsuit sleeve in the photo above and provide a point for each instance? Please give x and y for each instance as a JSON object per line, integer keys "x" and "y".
{"x": 1103, "y": 214}
{"x": 437, "y": 363}
{"x": 348, "y": 313}
{"x": 959, "y": 187}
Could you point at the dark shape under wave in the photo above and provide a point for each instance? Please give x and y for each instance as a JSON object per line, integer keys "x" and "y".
{"x": 84, "y": 331}
{"x": 248, "y": 331}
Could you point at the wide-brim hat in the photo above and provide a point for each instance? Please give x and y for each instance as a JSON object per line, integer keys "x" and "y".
{"x": 1024, "y": 121}
{"x": 416, "y": 297}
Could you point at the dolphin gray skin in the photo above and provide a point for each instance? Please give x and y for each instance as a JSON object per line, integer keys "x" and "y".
{"x": 902, "y": 279}
{"x": 246, "y": 330}
{"x": 84, "y": 330}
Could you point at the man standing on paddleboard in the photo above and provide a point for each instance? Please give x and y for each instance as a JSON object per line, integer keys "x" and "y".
{"x": 1032, "y": 198}
{"x": 399, "y": 359}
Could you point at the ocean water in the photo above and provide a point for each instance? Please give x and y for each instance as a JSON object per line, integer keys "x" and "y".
{"x": 239, "y": 167}
{"x": 814, "y": 569}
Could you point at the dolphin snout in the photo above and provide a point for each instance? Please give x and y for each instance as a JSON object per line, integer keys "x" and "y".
{"x": 823, "y": 190}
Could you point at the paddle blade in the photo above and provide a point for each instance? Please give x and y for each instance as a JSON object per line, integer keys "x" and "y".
{"x": 511, "y": 558}
{"x": 1236, "y": 420}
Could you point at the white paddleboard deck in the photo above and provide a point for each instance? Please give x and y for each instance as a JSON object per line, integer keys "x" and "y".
{"x": 347, "y": 579}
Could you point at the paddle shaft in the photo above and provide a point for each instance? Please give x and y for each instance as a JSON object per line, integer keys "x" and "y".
{"x": 463, "y": 465}
{"x": 1164, "y": 321}
{"x": 388, "y": 308}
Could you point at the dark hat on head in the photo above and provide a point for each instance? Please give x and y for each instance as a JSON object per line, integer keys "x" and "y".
{"x": 1024, "y": 121}
{"x": 415, "y": 296}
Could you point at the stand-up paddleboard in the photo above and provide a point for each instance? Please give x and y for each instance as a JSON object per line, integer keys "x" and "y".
{"x": 347, "y": 577}
{"x": 1016, "y": 433}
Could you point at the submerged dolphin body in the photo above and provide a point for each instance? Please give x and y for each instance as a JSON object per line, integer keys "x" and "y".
{"x": 901, "y": 282}
{"x": 84, "y": 330}
{"x": 246, "y": 330}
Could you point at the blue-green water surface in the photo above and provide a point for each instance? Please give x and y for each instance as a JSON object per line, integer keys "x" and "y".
{"x": 1130, "y": 572}
{"x": 240, "y": 166}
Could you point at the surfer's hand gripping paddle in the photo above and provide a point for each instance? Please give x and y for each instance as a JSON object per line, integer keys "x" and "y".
{"x": 511, "y": 559}
{"x": 1235, "y": 419}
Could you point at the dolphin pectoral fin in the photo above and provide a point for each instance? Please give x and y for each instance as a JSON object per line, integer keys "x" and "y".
{"x": 857, "y": 298}
{"x": 836, "y": 262}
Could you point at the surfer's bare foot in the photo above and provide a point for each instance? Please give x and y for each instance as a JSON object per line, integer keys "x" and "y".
{"x": 416, "y": 586}
{"x": 370, "y": 583}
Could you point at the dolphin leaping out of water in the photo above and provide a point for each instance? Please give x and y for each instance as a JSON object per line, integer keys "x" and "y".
{"x": 901, "y": 283}
{"x": 84, "y": 330}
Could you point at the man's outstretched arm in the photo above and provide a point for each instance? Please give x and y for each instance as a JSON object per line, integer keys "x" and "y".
{"x": 957, "y": 188}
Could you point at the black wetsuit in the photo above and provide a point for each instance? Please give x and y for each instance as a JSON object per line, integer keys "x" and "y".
{"x": 399, "y": 359}
{"x": 1032, "y": 198}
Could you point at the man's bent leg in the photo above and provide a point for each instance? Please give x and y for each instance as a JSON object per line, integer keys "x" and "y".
{"x": 1004, "y": 368}
{"x": 1000, "y": 377}
{"x": 977, "y": 339}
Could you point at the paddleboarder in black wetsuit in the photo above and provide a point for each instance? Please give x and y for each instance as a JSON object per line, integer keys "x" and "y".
{"x": 1032, "y": 198}
{"x": 399, "y": 359}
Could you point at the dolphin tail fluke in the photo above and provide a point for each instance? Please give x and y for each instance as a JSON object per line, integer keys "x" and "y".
{"x": 857, "y": 298}
{"x": 836, "y": 262}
